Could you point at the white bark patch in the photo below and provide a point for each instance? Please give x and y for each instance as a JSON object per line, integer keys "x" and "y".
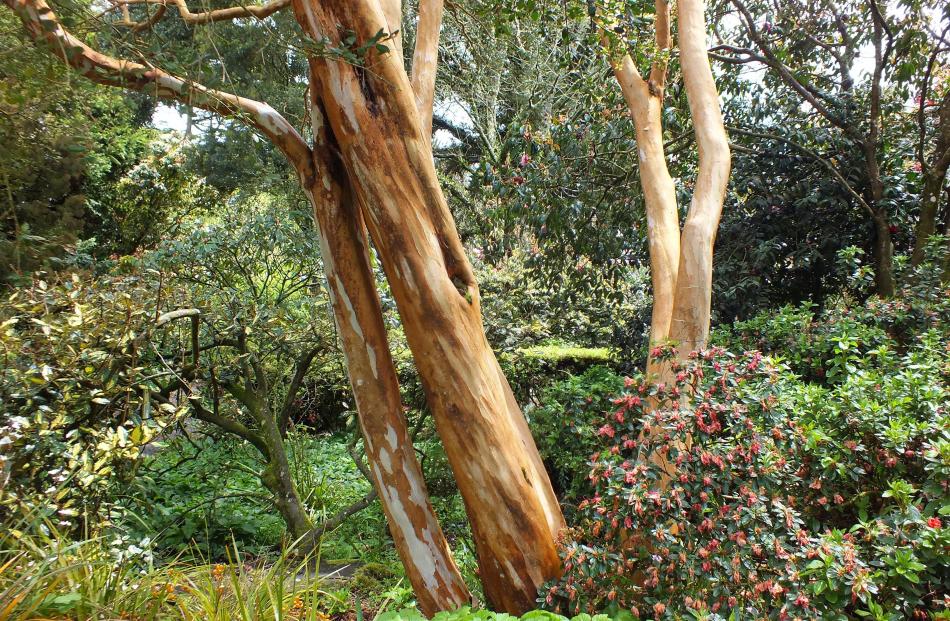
{"x": 407, "y": 274}
{"x": 351, "y": 315}
{"x": 269, "y": 119}
{"x": 420, "y": 551}
{"x": 514, "y": 575}
{"x": 391, "y": 437}
{"x": 343, "y": 99}
{"x": 386, "y": 460}
{"x": 371, "y": 353}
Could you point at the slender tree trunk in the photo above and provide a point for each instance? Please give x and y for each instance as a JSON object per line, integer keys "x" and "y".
{"x": 663, "y": 229}
{"x": 885, "y": 284}
{"x": 681, "y": 263}
{"x": 693, "y": 298}
{"x": 935, "y": 175}
{"x": 883, "y": 245}
{"x": 645, "y": 102}
{"x": 277, "y": 479}
{"x": 394, "y": 468}
{"x": 884, "y": 281}
{"x": 513, "y": 511}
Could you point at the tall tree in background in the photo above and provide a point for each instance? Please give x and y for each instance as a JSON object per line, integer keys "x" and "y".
{"x": 814, "y": 50}
{"x": 371, "y": 162}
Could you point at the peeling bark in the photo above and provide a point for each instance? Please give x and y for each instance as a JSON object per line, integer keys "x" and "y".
{"x": 514, "y": 514}
{"x": 394, "y": 468}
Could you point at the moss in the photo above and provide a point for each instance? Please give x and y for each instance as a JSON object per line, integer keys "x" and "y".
{"x": 373, "y": 578}
{"x": 559, "y": 353}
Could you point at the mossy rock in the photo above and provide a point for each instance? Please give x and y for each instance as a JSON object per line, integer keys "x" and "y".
{"x": 373, "y": 578}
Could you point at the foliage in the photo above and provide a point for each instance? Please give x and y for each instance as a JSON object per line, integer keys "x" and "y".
{"x": 837, "y": 450}
{"x": 467, "y": 614}
{"x": 201, "y": 495}
{"x": 65, "y": 146}
{"x": 692, "y": 509}
{"x": 75, "y": 396}
{"x": 564, "y": 427}
{"x": 530, "y": 369}
{"x": 44, "y": 574}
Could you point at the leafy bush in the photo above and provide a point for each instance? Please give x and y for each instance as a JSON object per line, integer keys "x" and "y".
{"x": 74, "y": 392}
{"x": 694, "y": 505}
{"x": 564, "y": 427}
{"x": 530, "y": 369}
{"x": 838, "y": 449}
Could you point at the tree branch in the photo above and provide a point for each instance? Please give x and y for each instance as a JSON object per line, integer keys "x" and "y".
{"x": 342, "y": 515}
{"x": 770, "y": 59}
{"x": 44, "y": 27}
{"x": 300, "y": 371}
{"x": 808, "y": 152}
{"x": 203, "y": 17}
{"x": 230, "y": 425}
{"x": 425, "y": 60}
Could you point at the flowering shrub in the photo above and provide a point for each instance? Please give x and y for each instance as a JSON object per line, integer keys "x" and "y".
{"x": 564, "y": 428}
{"x": 875, "y": 460}
{"x": 695, "y": 506}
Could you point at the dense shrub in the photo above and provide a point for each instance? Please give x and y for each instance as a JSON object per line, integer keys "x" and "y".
{"x": 530, "y": 370}
{"x": 564, "y": 428}
{"x": 73, "y": 389}
{"x": 694, "y": 504}
{"x": 813, "y": 484}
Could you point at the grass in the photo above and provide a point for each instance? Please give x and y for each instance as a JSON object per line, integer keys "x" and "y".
{"x": 45, "y": 575}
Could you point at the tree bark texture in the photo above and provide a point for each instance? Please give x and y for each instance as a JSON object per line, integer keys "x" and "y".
{"x": 373, "y": 116}
{"x": 394, "y": 468}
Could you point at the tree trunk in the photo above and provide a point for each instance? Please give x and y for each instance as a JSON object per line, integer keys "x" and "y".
{"x": 884, "y": 282}
{"x": 513, "y": 511}
{"x": 935, "y": 174}
{"x": 693, "y": 299}
{"x": 394, "y": 468}
{"x": 663, "y": 229}
{"x": 680, "y": 263}
{"x": 276, "y": 478}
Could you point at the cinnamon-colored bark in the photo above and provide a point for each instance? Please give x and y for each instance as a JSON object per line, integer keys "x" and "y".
{"x": 373, "y": 115}
{"x": 680, "y": 262}
{"x": 394, "y": 468}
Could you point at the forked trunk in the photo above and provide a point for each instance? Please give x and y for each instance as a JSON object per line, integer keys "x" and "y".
{"x": 681, "y": 263}
{"x": 508, "y": 496}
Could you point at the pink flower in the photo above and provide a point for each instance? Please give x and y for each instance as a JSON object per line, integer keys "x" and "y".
{"x": 525, "y": 160}
{"x": 934, "y": 522}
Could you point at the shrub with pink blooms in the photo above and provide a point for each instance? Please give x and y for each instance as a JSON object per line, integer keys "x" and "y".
{"x": 695, "y": 511}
